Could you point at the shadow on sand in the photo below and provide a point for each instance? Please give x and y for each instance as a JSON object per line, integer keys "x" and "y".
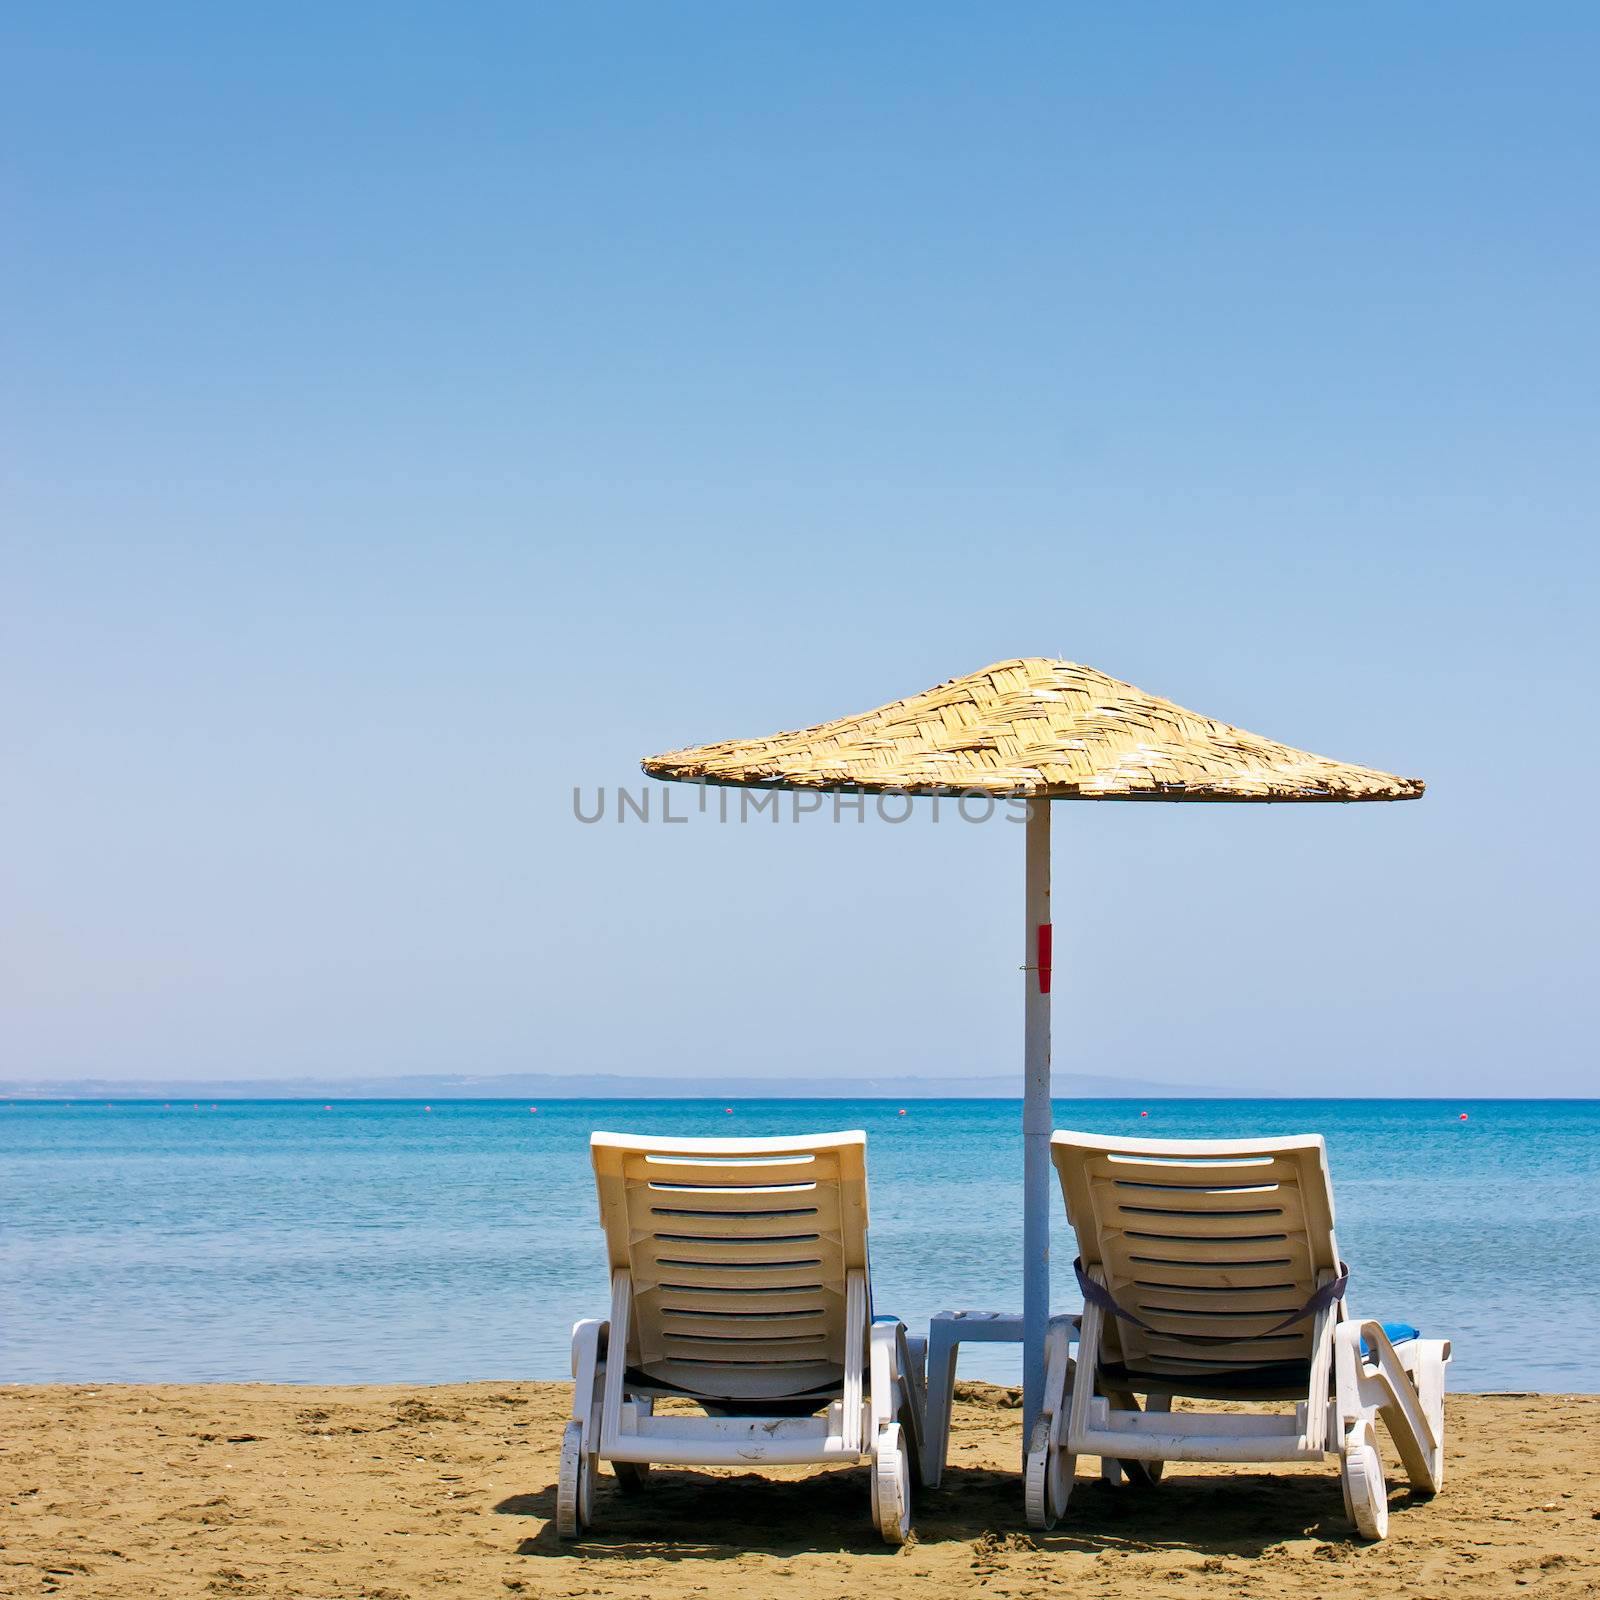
{"x": 683, "y": 1514}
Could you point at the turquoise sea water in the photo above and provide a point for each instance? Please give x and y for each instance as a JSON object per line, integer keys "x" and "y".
{"x": 378, "y": 1241}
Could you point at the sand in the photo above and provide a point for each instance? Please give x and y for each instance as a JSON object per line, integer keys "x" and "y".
{"x": 399, "y": 1493}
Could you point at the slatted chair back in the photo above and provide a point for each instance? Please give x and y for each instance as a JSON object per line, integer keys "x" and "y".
{"x": 1211, "y": 1243}
{"x": 738, "y": 1251}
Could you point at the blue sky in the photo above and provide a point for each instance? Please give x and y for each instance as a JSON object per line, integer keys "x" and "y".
{"x": 410, "y": 413}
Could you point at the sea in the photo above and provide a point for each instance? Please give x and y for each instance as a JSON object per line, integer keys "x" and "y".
{"x": 395, "y": 1241}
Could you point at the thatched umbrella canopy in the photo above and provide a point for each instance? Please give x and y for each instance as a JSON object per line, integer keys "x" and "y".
{"x": 1046, "y": 730}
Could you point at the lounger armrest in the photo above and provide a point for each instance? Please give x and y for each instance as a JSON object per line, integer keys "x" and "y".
{"x": 1354, "y": 1332}
{"x": 1380, "y": 1381}
{"x": 899, "y": 1390}
{"x": 589, "y": 1341}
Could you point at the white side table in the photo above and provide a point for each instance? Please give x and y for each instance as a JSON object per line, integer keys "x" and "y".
{"x": 947, "y": 1331}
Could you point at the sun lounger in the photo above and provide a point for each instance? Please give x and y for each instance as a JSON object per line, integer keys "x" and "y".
{"x": 739, "y": 1283}
{"x": 1209, "y": 1270}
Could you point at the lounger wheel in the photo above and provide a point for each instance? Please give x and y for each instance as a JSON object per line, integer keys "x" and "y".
{"x": 574, "y": 1485}
{"x": 1361, "y": 1477}
{"x": 1047, "y": 1479}
{"x": 891, "y": 1485}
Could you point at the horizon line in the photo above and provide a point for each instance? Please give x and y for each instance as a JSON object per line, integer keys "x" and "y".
{"x": 712, "y": 1099}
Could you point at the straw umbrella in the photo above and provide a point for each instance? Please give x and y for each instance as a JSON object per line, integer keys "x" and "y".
{"x": 1038, "y": 730}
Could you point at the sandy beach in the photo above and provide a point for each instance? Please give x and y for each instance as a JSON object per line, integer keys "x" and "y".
{"x": 390, "y": 1493}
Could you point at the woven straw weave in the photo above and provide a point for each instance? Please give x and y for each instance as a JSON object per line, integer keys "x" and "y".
{"x": 1035, "y": 727}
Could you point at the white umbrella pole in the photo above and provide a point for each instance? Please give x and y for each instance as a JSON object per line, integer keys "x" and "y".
{"x": 1036, "y": 1116}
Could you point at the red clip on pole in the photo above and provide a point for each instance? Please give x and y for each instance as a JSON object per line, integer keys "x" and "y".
{"x": 1045, "y": 938}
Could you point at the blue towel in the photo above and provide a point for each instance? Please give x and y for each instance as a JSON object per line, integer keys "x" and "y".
{"x": 1395, "y": 1332}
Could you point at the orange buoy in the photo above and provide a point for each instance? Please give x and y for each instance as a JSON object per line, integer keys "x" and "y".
{"x": 727, "y": 1111}
{"x": 1144, "y": 1113}
{"x": 1462, "y": 1117}
{"x": 902, "y": 1111}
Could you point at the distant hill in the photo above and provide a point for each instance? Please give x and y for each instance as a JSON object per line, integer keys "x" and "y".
{"x": 586, "y": 1086}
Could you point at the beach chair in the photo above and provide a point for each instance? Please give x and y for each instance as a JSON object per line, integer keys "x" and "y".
{"x": 739, "y": 1283}
{"x": 1209, "y": 1270}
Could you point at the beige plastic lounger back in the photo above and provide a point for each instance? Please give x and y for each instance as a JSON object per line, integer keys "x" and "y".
{"x": 739, "y": 1281}
{"x": 1210, "y": 1269}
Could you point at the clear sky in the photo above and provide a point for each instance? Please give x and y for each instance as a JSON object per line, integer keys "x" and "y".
{"x": 408, "y": 413}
